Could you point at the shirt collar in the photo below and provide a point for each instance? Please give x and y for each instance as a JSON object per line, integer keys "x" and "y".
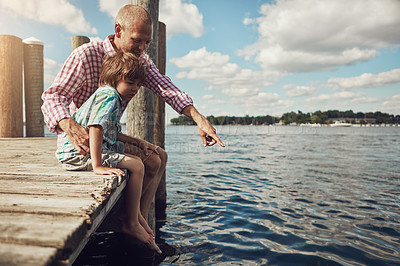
{"x": 115, "y": 91}
{"x": 108, "y": 47}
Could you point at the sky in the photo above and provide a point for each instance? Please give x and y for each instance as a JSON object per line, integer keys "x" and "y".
{"x": 246, "y": 57}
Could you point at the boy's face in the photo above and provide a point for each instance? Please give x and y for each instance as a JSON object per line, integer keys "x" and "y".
{"x": 127, "y": 89}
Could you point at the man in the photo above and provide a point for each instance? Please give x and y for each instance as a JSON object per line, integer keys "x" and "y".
{"x": 78, "y": 79}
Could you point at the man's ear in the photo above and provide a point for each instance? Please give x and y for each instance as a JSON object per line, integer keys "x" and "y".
{"x": 118, "y": 30}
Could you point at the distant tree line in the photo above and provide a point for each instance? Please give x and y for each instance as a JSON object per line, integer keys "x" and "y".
{"x": 230, "y": 120}
{"x": 317, "y": 117}
{"x": 349, "y": 116}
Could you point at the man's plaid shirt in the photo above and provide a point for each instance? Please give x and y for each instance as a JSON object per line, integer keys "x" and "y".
{"x": 79, "y": 76}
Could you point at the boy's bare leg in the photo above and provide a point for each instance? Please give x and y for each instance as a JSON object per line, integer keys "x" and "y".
{"x": 154, "y": 168}
{"x": 133, "y": 224}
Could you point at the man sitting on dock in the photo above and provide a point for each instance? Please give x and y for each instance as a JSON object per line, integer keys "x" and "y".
{"x": 78, "y": 80}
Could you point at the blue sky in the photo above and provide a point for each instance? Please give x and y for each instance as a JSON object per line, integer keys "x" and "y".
{"x": 237, "y": 57}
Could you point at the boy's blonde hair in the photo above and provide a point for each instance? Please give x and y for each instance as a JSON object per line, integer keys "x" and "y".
{"x": 121, "y": 66}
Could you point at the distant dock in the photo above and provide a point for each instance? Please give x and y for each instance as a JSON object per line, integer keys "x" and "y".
{"x": 46, "y": 213}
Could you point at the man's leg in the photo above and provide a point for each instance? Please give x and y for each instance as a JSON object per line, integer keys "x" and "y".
{"x": 154, "y": 168}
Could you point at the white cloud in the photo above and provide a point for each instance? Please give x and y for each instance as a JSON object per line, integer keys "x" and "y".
{"x": 207, "y": 97}
{"x": 241, "y": 85}
{"x": 53, "y": 12}
{"x": 391, "y": 105}
{"x": 366, "y": 80}
{"x": 96, "y": 39}
{"x": 216, "y": 102}
{"x": 264, "y": 104}
{"x": 298, "y": 91}
{"x": 181, "y": 18}
{"x": 50, "y": 69}
{"x": 338, "y": 96}
{"x": 343, "y": 98}
{"x": 216, "y": 69}
{"x": 314, "y": 35}
{"x": 111, "y": 7}
{"x": 211, "y": 88}
{"x": 248, "y": 21}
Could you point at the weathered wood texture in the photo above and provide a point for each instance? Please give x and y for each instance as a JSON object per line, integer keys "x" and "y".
{"x": 47, "y": 213}
{"x": 140, "y": 112}
{"x": 11, "y": 115}
{"x": 33, "y": 87}
{"x": 140, "y": 120}
{"x": 159, "y": 131}
{"x": 78, "y": 40}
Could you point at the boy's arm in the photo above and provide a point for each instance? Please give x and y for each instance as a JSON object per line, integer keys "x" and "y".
{"x": 96, "y": 146}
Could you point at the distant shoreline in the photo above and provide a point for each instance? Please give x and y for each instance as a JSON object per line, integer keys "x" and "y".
{"x": 316, "y": 118}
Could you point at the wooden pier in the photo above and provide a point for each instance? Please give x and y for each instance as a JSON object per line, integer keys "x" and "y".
{"x": 46, "y": 213}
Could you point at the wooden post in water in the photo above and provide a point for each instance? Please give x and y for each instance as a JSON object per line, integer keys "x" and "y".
{"x": 159, "y": 131}
{"x": 33, "y": 87}
{"x": 11, "y": 102}
{"x": 140, "y": 118}
{"x": 78, "y": 40}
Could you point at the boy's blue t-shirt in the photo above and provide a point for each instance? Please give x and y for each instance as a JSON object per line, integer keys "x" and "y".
{"x": 104, "y": 108}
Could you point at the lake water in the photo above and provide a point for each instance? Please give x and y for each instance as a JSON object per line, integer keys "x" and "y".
{"x": 283, "y": 195}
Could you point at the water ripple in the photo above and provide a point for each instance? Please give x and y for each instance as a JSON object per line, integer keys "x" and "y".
{"x": 285, "y": 196}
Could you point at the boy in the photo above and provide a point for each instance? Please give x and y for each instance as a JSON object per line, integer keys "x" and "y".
{"x": 100, "y": 114}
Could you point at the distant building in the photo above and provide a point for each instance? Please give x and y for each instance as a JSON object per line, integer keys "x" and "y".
{"x": 352, "y": 120}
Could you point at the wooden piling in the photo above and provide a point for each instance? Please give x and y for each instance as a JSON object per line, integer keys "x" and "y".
{"x": 78, "y": 40}
{"x": 11, "y": 110}
{"x": 33, "y": 87}
{"x": 140, "y": 118}
{"x": 159, "y": 131}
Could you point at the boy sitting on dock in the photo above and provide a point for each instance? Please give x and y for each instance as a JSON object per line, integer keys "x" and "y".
{"x": 100, "y": 115}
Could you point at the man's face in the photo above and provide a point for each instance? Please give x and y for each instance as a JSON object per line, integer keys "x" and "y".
{"x": 135, "y": 39}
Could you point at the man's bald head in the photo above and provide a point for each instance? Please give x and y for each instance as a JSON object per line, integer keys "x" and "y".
{"x": 129, "y": 14}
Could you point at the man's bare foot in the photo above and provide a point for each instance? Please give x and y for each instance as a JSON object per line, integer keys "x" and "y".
{"x": 138, "y": 232}
{"x": 154, "y": 247}
{"x": 146, "y": 226}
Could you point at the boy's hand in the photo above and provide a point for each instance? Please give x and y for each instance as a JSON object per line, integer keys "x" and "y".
{"x": 104, "y": 170}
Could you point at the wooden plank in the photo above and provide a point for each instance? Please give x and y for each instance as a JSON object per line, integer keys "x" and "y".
{"x": 77, "y": 206}
{"x": 12, "y": 254}
{"x": 48, "y": 213}
{"x": 56, "y": 231}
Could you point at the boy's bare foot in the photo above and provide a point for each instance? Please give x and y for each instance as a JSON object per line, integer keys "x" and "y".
{"x": 138, "y": 232}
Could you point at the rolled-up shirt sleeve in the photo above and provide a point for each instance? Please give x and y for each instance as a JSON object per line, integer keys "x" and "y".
{"x": 163, "y": 87}
{"x": 58, "y": 97}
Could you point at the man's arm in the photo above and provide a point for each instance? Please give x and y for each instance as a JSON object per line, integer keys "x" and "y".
{"x": 206, "y": 130}
{"x": 58, "y": 97}
{"x": 144, "y": 145}
{"x": 180, "y": 102}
